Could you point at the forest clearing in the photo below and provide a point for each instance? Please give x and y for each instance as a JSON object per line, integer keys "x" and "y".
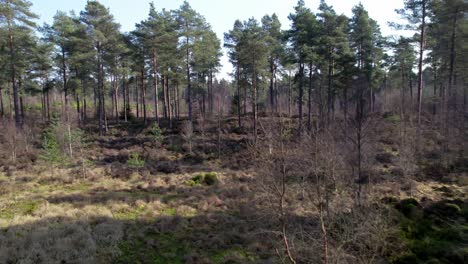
{"x": 328, "y": 143}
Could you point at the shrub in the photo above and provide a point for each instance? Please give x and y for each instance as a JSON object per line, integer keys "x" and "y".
{"x": 209, "y": 178}
{"x": 135, "y": 162}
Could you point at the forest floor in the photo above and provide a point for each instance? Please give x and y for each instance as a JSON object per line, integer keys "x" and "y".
{"x": 178, "y": 207}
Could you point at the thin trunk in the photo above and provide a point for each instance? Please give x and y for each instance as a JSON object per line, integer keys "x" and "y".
{"x": 329, "y": 88}
{"x": 99, "y": 93}
{"x": 21, "y": 106}
{"x": 189, "y": 85}
{"x": 78, "y": 108}
{"x": 301, "y": 95}
{"x": 410, "y": 85}
{"x": 116, "y": 94}
{"x": 239, "y": 120}
{"x": 11, "y": 45}
{"x": 420, "y": 72}
{"x": 103, "y": 88}
{"x": 245, "y": 100}
{"x": 43, "y": 102}
{"x": 125, "y": 102}
{"x": 254, "y": 101}
{"x": 156, "y": 95}
{"x": 163, "y": 82}
{"x": 2, "y": 113}
{"x": 289, "y": 93}
{"x": 211, "y": 93}
{"x": 65, "y": 86}
{"x": 177, "y": 106}
{"x": 48, "y": 104}
{"x": 309, "y": 101}
{"x": 137, "y": 98}
{"x": 272, "y": 74}
{"x": 143, "y": 95}
{"x": 84, "y": 109}
{"x": 452, "y": 52}
{"x": 168, "y": 92}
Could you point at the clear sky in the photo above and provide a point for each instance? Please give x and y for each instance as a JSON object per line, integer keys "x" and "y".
{"x": 221, "y": 14}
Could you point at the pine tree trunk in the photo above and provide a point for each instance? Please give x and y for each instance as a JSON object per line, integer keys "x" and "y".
{"x": 116, "y": 95}
{"x": 168, "y": 93}
{"x": 289, "y": 94}
{"x": 43, "y": 102}
{"x": 452, "y": 53}
{"x": 239, "y": 120}
{"x": 11, "y": 45}
{"x": 78, "y": 108}
{"x": 2, "y": 113}
{"x": 99, "y": 93}
{"x": 189, "y": 86}
{"x": 434, "y": 105}
{"x": 177, "y": 106}
{"x": 156, "y": 95}
{"x": 65, "y": 86}
{"x": 84, "y": 108}
{"x": 21, "y": 107}
{"x": 309, "y": 101}
{"x": 124, "y": 91}
{"x": 329, "y": 89}
{"x": 48, "y": 104}
{"x": 420, "y": 72}
{"x": 137, "y": 98}
{"x": 163, "y": 82}
{"x": 272, "y": 74}
{"x": 301, "y": 95}
{"x": 143, "y": 95}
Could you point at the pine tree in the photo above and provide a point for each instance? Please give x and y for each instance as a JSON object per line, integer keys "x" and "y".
{"x": 232, "y": 41}
{"x": 416, "y": 12}
{"x": 103, "y": 31}
{"x": 299, "y": 36}
{"x": 17, "y": 19}
{"x": 275, "y": 44}
{"x": 190, "y": 25}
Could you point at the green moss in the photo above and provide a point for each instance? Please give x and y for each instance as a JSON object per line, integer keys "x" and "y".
{"x": 24, "y": 207}
{"x": 78, "y": 187}
{"x": 405, "y": 258}
{"x": 152, "y": 248}
{"x": 130, "y": 213}
{"x": 393, "y": 118}
{"x": 233, "y": 255}
{"x": 169, "y": 211}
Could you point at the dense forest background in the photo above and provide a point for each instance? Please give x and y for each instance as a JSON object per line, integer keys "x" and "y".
{"x": 328, "y": 143}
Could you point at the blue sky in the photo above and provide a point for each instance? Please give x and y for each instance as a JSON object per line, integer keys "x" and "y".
{"x": 221, "y": 14}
